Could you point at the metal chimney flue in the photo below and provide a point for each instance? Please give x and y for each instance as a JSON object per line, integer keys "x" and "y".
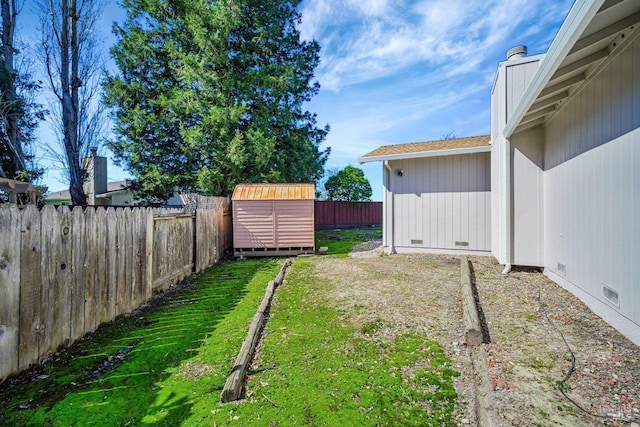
{"x": 516, "y": 52}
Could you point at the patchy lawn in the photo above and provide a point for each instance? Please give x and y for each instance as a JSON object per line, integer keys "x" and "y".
{"x": 166, "y": 363}
{"x": 360, "y": 339}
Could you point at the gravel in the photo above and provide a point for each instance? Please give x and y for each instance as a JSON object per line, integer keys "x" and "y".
{"x": 513, "y": 379}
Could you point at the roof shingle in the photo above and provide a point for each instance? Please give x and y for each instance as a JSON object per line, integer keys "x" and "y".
{"x": 428, "y": 147}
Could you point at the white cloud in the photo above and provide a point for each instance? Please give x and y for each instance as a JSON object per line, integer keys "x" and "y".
{"x": 368, "y": 40}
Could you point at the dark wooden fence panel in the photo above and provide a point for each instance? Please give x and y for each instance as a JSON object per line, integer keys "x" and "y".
{"x": 330, "y": 214}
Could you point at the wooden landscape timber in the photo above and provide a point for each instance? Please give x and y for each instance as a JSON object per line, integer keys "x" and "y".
{"x": 472, "y": 326}
{"x": 233, "y": 386}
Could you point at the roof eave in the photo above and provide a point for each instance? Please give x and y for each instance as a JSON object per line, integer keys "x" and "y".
{"x": 577, "y": 21}
{"x": 423, "y": 154}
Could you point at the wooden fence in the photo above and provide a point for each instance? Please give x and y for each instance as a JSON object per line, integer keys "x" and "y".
{"x": 347, "y": 214}
{"x": 64, "y": 271}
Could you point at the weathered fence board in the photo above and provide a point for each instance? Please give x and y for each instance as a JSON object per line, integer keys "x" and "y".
{"x": 112, "y": 264}
{"x": 29, "y": 340}
{"x": 173, "y": 250}
{"x": 90, "y": 267}
{"x": 9, "y": 288}
{"x": 121, "y": 293}
{"x": 102, "y": 286}
{"x": 63, "y": 296}
{"x": 127, "y": 248}
{"x": 64, "y": 271}
{"x": 50, "y": 239}
{"x": 78, "y": 272}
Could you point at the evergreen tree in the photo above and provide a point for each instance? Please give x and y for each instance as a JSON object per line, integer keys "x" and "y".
{"x": 211, "y": 93}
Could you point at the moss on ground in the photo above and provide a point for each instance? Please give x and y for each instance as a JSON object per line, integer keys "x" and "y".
{"x": 167, "y": 365}
{"x": 204, "y": 325}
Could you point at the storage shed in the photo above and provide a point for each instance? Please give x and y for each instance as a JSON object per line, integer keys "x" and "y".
{"x": 273, "y": 219}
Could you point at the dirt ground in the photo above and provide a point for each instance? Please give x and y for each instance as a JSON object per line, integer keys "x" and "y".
{"x": 516, "y": 376}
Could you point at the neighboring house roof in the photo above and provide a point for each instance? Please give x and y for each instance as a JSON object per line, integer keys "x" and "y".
{"x": 274, "y": 192}
{"x": 591, "y": 33}
{"x": 112, "y": 187}
{"x": 446, "y": 147}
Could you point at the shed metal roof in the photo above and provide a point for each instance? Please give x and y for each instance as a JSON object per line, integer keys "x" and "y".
{"x": 446, "y": 147}
{"x": 274, "y": 192}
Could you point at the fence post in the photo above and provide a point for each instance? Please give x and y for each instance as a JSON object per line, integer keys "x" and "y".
{"x": 10, "y": 289}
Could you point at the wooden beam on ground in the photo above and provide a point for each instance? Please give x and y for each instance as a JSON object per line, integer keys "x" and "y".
{"x": 233, "y": 386}
{"x": 472, "y": 326}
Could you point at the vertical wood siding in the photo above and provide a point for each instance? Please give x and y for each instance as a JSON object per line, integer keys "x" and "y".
{"x": 442, "y": 200}
{"x": 527, "y": 197}
{"x": 592, "y": 185}
{"x": 518, "y": 77}
{"x": 63, "y": 272}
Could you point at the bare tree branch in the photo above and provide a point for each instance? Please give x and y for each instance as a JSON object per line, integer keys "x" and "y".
{"x": 72, "y": 58}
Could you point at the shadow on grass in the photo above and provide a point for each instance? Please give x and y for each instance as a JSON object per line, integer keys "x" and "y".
{"x": 129, "y": 370}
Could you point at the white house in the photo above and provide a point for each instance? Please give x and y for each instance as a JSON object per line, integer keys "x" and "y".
{"x": 565, "y": 160}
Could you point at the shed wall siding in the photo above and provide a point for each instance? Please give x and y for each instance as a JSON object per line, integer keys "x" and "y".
{"x": 440, "y": 201}
{"x": 294, "y": 224}
{"x": 253, "y": 224}
{"x": 273, "y": 224}
{"x": 592, "y": 185}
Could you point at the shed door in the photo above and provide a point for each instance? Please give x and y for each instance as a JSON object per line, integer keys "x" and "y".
{"x": 294, "y": 223}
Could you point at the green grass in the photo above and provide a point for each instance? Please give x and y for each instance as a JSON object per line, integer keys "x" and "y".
{"x": 315, "y": 365}
{"x": 340, "y": 241}
{"x": 315, "y": 368}
{"x": 203, "y": 326}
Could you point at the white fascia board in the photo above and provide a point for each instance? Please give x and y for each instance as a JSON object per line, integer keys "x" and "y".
{"x": 577, "y": 21}
{"x": 423, "y": 154}
{"x": 112, "y": 193}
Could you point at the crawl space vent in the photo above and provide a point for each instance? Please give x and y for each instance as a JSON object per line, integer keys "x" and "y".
{"x": 462, "y": 244}
{"x": 610, "y": 295}
{"x": 562, "y": 269}
{"x": 416, "y": 242}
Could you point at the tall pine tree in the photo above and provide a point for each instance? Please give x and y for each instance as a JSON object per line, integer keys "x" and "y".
{"x": 211, "y": 93}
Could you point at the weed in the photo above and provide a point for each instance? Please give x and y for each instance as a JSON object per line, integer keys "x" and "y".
{"x": 539, "y": 364}
{"x": 370, "y": 328}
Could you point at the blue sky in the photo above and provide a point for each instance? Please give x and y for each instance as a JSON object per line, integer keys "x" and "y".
{"x": 404, "y": 71}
